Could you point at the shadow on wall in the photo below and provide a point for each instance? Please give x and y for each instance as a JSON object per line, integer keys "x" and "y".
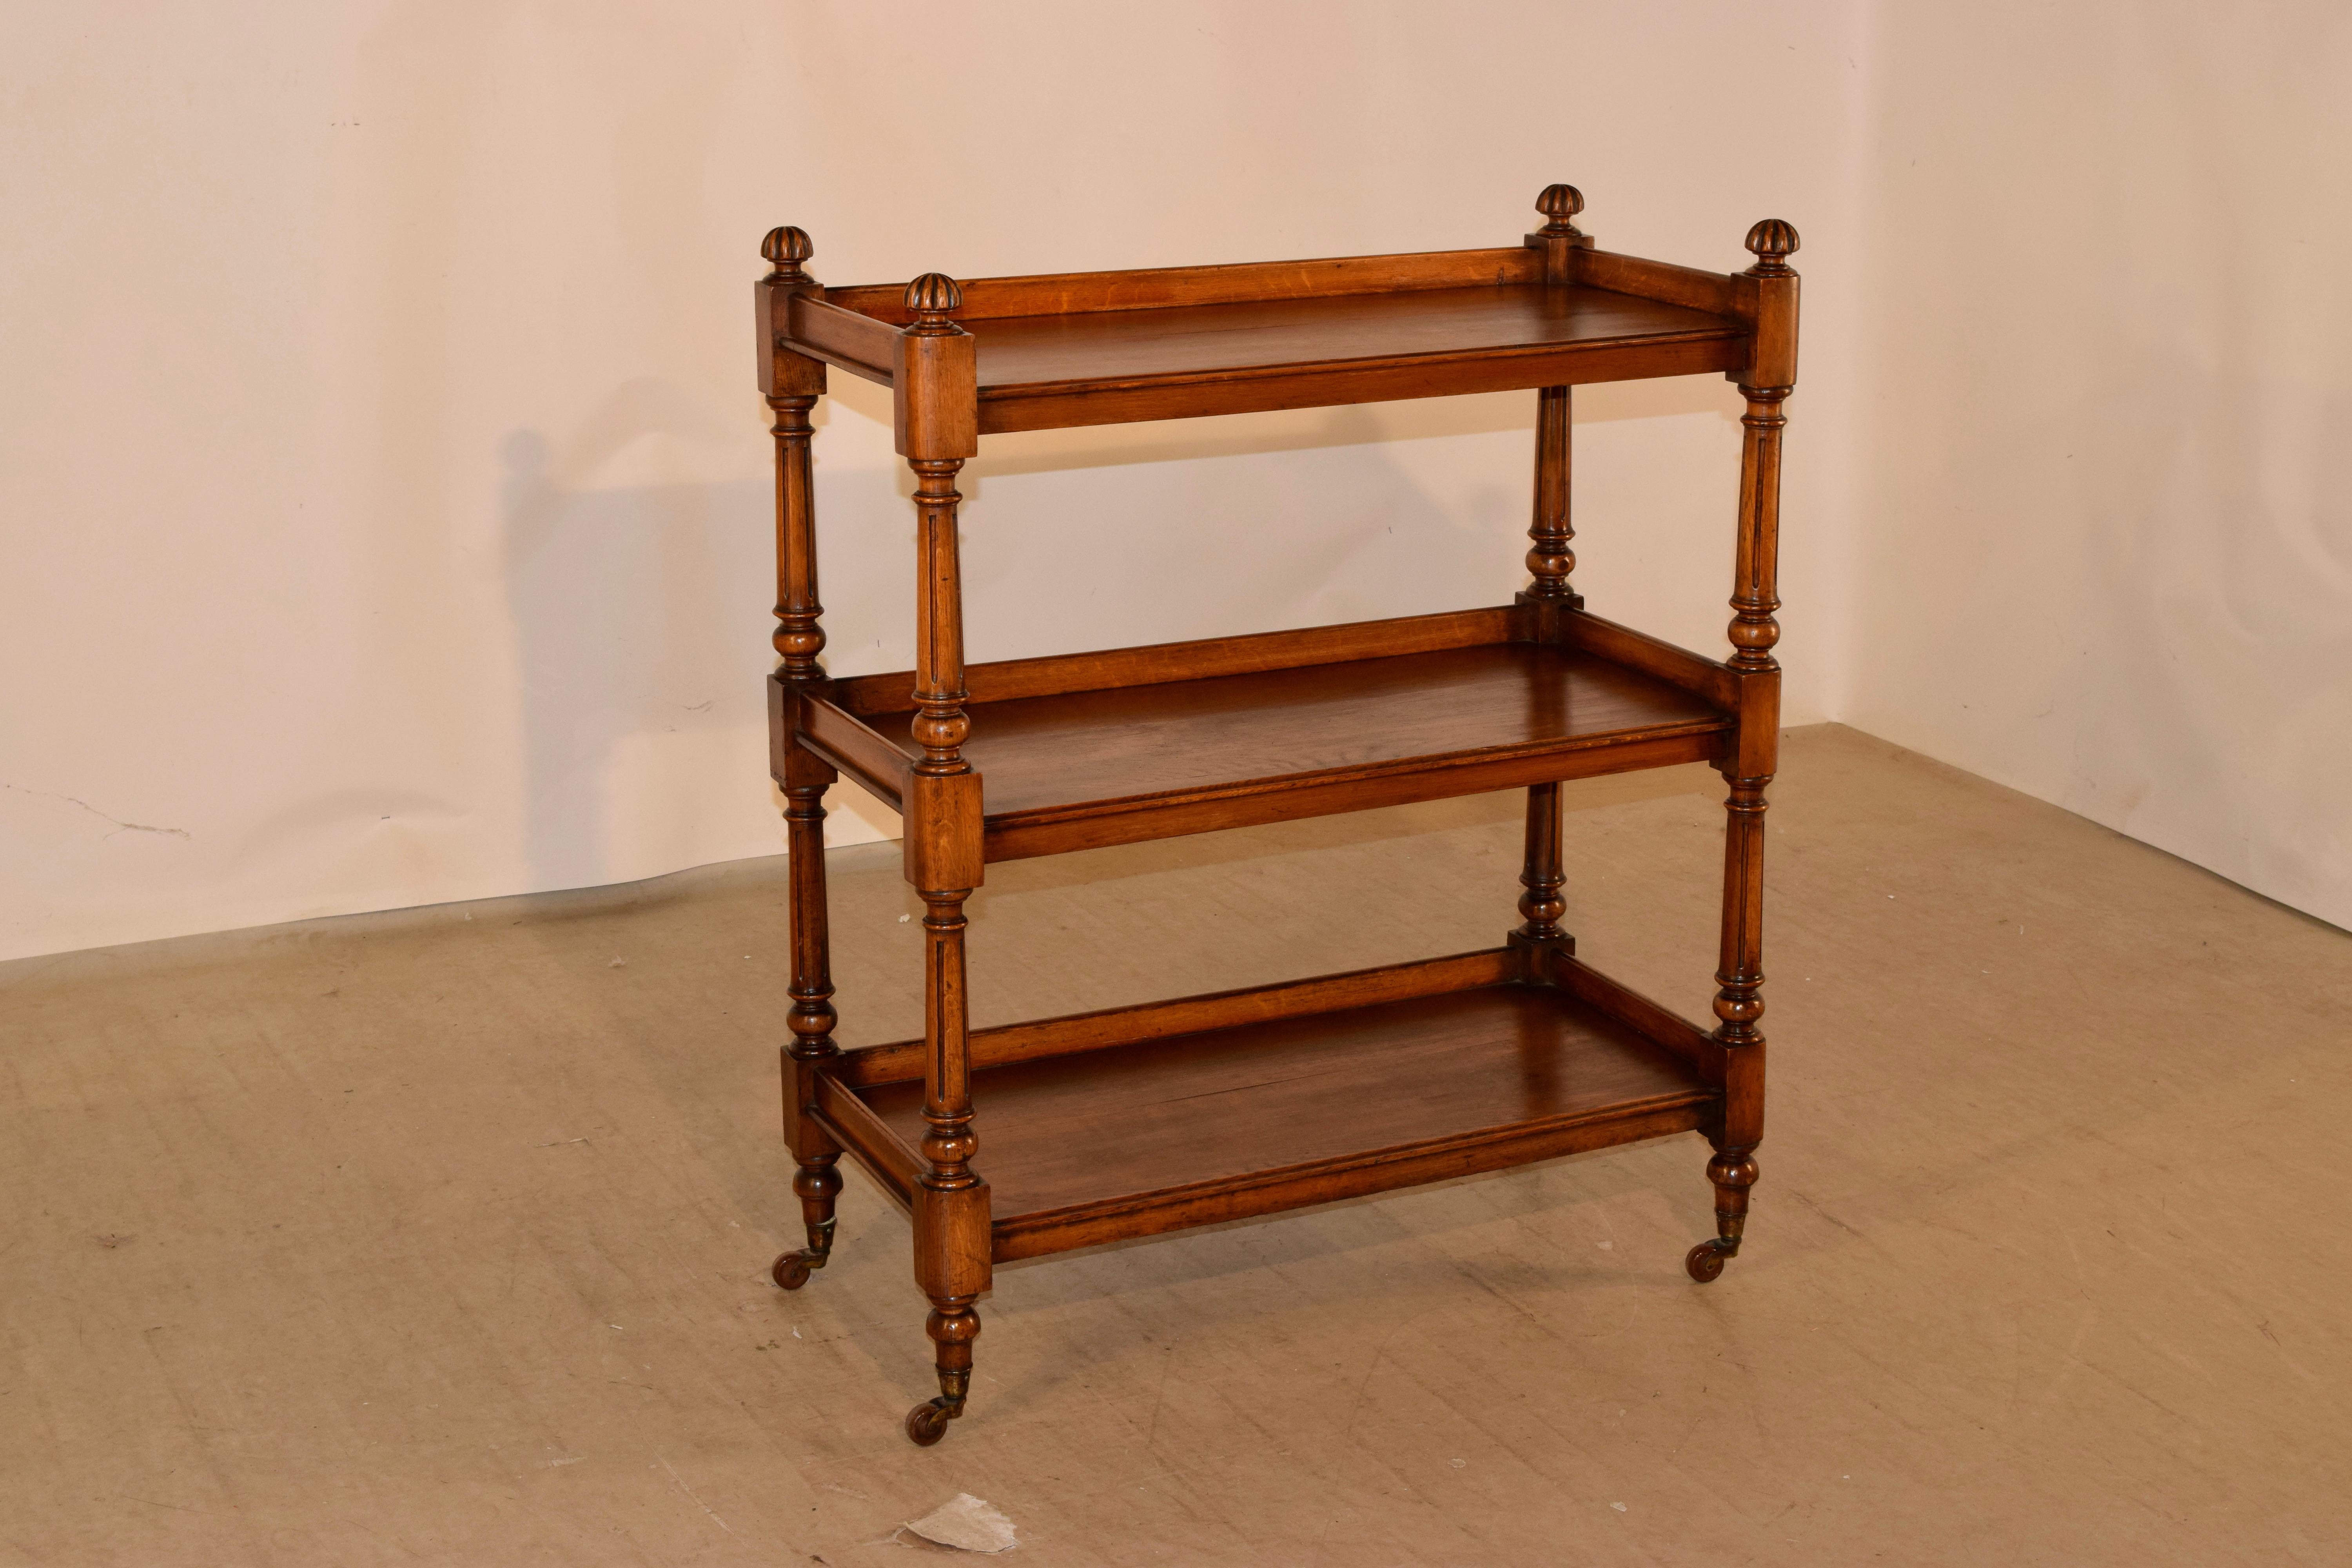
{"x": 1307, "y": 518}
{"x": 1114, "y": 536}
{"x": 639, "y": 617}
{"x": 1313, "y": 522}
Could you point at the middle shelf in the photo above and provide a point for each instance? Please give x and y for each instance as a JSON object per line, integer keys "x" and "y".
{"x": 1086, "y": 750}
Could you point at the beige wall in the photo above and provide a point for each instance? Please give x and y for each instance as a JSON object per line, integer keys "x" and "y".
{"x": 385, "y": 493}
{"x": 2101, "y": 522}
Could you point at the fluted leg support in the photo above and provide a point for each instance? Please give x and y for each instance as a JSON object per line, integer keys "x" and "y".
{"x": 1739, "y": 1010}
{"x": 1755, "y": 596}
{"x": 952, "y": 1234}
{"x": 1739, "y": 974}
{"x": 943, "y": 861}
{"x": 817, "y": 1182}
{"x": 800, "y": 633}
{"x": 1549, "y": 559}
{"x": 792, "y": 385}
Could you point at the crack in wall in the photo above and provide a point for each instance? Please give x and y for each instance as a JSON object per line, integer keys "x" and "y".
{"x": 120, "y": 825}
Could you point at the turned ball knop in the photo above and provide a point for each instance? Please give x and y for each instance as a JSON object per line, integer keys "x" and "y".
{"x": 932, "y": 299}
{"x": 785, "y": 249}
{"x": 1559, "y": 205}
{"x": 1773, "y": 241}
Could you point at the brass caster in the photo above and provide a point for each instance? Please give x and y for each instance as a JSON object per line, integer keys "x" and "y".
{"x": 790, "y": 1271}
{"x": 1705, "y": 1260}
{"x": 928, "y": 1423}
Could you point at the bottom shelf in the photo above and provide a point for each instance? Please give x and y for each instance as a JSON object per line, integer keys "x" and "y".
{"x": 1152, "y": 1119}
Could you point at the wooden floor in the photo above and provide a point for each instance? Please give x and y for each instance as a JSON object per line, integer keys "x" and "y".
{"x": 442, "y": 1237}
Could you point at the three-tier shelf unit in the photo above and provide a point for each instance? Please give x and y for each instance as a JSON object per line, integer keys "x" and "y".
{"x": 1039, "y": 1137}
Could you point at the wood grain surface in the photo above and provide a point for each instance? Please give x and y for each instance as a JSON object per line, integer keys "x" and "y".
{"x": 1155, "y": 288}
{"x": 1068, "y": 1131}
{"x": 1103, "y": 347}
{"x": 1115, "y": 1125}
{"x": 1047, "y": 754}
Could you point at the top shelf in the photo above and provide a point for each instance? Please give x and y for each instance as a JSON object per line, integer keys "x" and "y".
{"x": 1110, "y": 347}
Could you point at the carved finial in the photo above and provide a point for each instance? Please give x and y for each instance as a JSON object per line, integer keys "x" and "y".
{"x": 1560, "y": 203}
{"x": 785, "y": 249}
{"x": 932, "y": 299}
{"x": 1773, "y": 241}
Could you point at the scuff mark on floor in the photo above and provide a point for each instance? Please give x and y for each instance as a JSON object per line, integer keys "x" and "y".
{"x": 697, "y": 1501}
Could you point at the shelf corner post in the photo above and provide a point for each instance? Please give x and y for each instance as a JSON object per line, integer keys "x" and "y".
{"x": 1550, "y": 558}
{"x": 791, "y": 383}
{"x": 1559, "y": 239}
{"x": 1541, "y": 874}
{"x": 936, "y": 400}
{"x": 1770, "y": 377}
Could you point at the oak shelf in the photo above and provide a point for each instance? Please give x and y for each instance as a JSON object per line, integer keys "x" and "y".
{"x": 1105, "y": 363}
{"x": 1091, "y": 750}
{"x": 1036, "y": 1138}
{"x": 1466, "y": 1064}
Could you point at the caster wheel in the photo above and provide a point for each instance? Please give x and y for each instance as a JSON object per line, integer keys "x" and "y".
{"x": 790, "y": 1271}
{"x": 1705, "y": 1262}
{"x": 927, "y": 1423}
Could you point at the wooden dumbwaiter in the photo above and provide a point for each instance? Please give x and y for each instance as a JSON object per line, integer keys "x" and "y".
{"x": 1095, "y": 1124}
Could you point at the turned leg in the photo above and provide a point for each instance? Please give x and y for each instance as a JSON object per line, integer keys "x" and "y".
{"x": 1738, "y": 1009}
{"x": 1755, "y": 595}
{"x": 793, "y": 384}
{"x": 938, "y": 423}
{"x": 1540, "y": 906}
{"x": 952, "y": 1327}
{"x": 1733, "y": 1172}
{"x": 1550, "y": 560}
{"x": 952, "y": 1219}
{"x": 817, "y": 1182}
